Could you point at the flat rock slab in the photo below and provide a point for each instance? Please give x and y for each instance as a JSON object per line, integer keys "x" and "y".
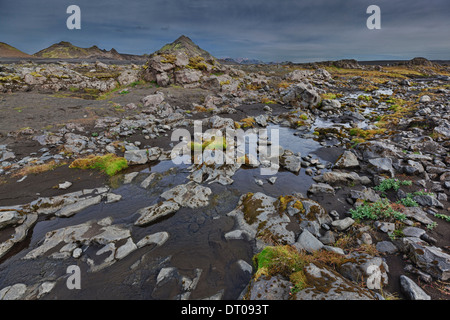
{"x": 189, "y": 195}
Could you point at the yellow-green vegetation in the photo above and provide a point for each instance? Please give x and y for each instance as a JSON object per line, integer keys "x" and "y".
{"x": 216, "y": 143}
{"x": 169, "y": 58}
{"x": 197, "y": 63}
{"x": 331, "y": 96}
{"x": 359, "y": 133}
{"x": 36, "y": 169}
{"x": 266, "y": 100}
{"x": 109, "y": 163}
{"x": 11, "y": 78}
{"x": 248, "y": 122}
{"x": 288, "y": 262}
{"x": 283, "y": 201}
{"x": 400, "y": 108}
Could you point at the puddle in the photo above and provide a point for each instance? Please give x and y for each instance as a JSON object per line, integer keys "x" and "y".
{"x": 196, "y": 236}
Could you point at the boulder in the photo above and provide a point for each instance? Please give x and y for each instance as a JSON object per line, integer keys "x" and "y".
{"x": 411, "y": 290}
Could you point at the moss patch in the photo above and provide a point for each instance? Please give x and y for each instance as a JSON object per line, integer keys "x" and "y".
{"x": 109, "y": 164}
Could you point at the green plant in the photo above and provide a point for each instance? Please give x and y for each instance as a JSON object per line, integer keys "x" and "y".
{"x": 443, "y": 216}
{"x": 424, "y": 192}
{"x": 395, "y": 184}
{"x": 408, "y": 201}
{"x": 382, "y": 209}
{"x": 109, "y": 164}
{"x": 432, "y": 225}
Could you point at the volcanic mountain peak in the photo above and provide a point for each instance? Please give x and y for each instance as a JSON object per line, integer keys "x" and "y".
{"x": 186, "y": 45}
{"x": 66, "y": 50}
{"x": 8, "y": 51}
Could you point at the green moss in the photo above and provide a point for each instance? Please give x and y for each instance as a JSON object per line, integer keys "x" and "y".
{"x": 283, "y": 260}
{"x": 109, "y": 164}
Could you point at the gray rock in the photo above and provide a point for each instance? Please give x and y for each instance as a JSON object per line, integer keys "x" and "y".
{"x": 387, "y": 227}
{"x": 157, "y": 211}
{"x": 386, "y": 247}
{"x": 413, "y": 232}
{"x": 321, "y": 188}
{"x": 342, "y": 225}
{"x": 273, "y": 288}
{"x": 412, "y": 290}
{"x": 430, "y": 259}
{"x": 71, "y": 209}
{"x": 417, "y": 214}
{"x": 347, "y": 160}
{"x": 382, "y": 165}
{"x": 337, "y": 287}
{"x": 136, "y": 156}
{"x": 14, "y": 292}
{"x": 306, "y": 241}
{"x": 189, "y": 195}
{"x": 157, "y": 238}
{"x": 428, "y": 201}
{"x": 292, "y": 163}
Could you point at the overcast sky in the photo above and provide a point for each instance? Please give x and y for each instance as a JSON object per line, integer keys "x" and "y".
{"x": 269, "y": 30}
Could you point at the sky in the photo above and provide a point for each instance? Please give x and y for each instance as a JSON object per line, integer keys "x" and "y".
{"x": 268, "y": 30}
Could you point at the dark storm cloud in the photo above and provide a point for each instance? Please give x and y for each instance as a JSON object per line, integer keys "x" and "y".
{"x": 267, "y": 30}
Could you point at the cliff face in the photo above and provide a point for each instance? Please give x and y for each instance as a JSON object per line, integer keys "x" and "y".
{"x": 7, "y": 51}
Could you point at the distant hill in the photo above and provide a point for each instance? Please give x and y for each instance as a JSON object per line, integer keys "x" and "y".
{"x": 66, "y": 50}
{"x": 240, "y": 61}
{"x": 186, "y": 45}
{"x": 7, "y": 51}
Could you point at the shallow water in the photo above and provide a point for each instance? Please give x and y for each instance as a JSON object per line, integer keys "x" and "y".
{"x": 196, "y": 236}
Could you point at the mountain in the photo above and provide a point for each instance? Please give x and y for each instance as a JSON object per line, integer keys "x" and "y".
{"x": 241, "y": 61}
{"x": 186, "y": 45}
{"x": 7, "y": 51}
{"x": 66, "y": 50}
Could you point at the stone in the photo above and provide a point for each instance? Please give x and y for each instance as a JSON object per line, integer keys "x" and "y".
{"x": 382, "y": 165}
{"x": 411, "y": 290}
{"x": 342, "y": 225}
{"x": 45, "y": 288}
{"x": 273, "y": 288}
{"x": 65, "y": 185}
{"x": 428, "y": 201}
{"x": 425, "y": 98}
{"x": 347, "y": 160}
{"x": 14, "y": 292}
{"x": 128, "y": 178}
{"x": 153, "y": 100}
{"x": 336, "y": 288}
{"x": 187, "y": 76}
{"x": 387, "y": 227}
{"x": 330, "y": 105}
{"x": 413, "y": 232}
{"x": 430, "y": 259}
{"x": 306, "y": 241}
{"x": 76, "y": 207}
{"x": 189, "y": 195}
{"x": 363, "y": 267}
{"x": 136, "y": 156}
{"x": 125, "y": 249}
{"x": 386, "y": 247}
{"x": 158, "y": 239}
{"x": 321, "y": 188}
{"x": 157, "y": 211}
{"x": 292, "y": 163}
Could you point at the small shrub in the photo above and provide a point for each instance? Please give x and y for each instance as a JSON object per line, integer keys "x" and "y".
{"x": 379, "y": 210}
{"x": 394, "y": 184}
